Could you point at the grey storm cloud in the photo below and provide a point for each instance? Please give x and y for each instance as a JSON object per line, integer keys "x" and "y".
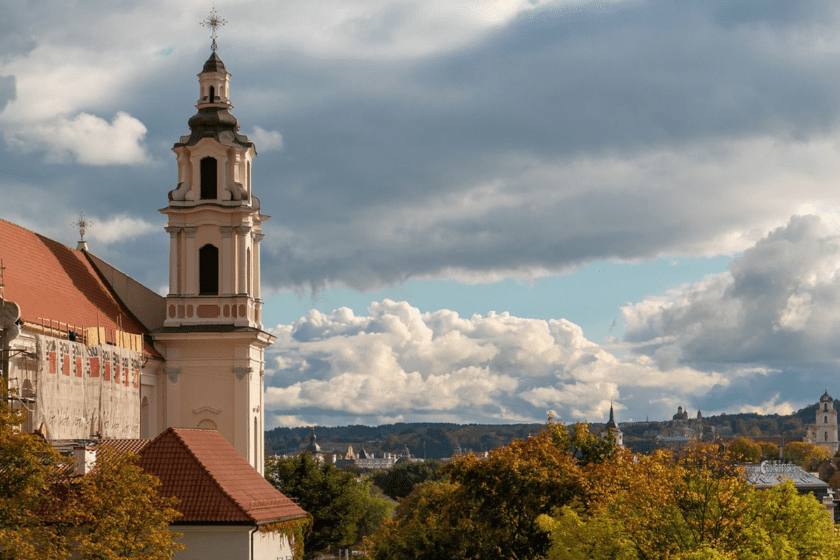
{"x": 775, "y": 311}
{"x": 568, "y": 134}
{"x": 515, "y": 118}
{"x": 7, "y": 90}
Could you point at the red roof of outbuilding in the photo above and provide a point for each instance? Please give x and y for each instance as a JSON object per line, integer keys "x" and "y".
{"x": 212, "y": 481}
{"x": 50, "y": 281}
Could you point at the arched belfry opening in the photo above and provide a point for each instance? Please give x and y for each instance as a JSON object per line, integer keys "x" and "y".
{"x": 208, "y": 270}
{"x": 212, "y": 94}
{"x": 209, "y": 176}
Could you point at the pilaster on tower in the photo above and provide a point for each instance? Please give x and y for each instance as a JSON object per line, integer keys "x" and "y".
{"x": 214, "y": 218}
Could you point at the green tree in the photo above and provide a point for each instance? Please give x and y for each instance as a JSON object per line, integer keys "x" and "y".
{"x": 399, "y": 481}
{"x": 343, "y": 510}
{"x": 561, "y": 496}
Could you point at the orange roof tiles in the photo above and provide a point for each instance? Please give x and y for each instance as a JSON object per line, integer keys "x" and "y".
{"x": 124, "y": 445}
{"x": 212, "y": 481}
{"x": 51, "y": 281}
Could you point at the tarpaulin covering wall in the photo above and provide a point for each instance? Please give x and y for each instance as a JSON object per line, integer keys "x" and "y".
{"x": 82, "y": 390}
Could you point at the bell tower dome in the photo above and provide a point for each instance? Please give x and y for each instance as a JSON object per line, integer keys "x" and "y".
{"x": 213, "y": 335}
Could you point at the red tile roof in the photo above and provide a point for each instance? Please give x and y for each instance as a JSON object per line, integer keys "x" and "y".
{"x": 51, "y": 281}
{"x": 212, "y": 481}
{"x": 124, "y": 445}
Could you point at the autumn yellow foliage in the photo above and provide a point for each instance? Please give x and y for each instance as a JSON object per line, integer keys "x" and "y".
{"x": 566, "y": 494}
{"x": 112, "y": 513}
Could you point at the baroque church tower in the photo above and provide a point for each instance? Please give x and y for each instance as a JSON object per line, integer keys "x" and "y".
{"x": 213, "y": 332}
{"x": 826, "y": 420}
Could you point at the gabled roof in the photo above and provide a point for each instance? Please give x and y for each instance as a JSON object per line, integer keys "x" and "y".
{"x": 51, "y": 281}
{"x": 212, "y": 481}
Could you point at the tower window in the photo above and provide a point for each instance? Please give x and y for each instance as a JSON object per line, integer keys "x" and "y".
{"x": 208, "y": 178}
{"x": 208, "y": 270}
{"x": 825, "y": 419}
{"x": 825, "y": 406}
{"x": 212, "y": 94}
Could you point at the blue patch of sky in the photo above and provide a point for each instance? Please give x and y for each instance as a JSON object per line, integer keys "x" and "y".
{"x": 591, "y": 297}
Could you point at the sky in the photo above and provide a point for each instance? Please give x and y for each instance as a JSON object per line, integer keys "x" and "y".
{"x": 481, "y": 211}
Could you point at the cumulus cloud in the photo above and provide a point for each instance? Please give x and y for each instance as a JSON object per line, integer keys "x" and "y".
{"x": 774, "y": 310}
{"x": 117, "y": 228}
{"x": 777, "y": 304}
{"x": 86, "y": 139}
{"x": 480, "y": 142}
{"x": 399, "y": 362}
{"x": 266, "y": 140}
{"x": 8, "y": 91}
{"x": 382, "y": 29}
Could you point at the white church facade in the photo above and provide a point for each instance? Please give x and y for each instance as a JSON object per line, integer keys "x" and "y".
{"x": 824, "y": 432}
{"x": 88, "y": 351}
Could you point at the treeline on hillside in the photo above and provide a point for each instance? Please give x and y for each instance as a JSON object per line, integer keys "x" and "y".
{"x": 746, "y": 424}
{"x": 423, "y": 439}
{"x": 439, "y": 440}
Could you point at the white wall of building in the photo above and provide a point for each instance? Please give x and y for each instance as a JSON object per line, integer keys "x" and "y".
{"x": 231, "y": 543}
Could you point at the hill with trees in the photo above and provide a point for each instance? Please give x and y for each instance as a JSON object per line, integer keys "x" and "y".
{"x": 441, "y": 440}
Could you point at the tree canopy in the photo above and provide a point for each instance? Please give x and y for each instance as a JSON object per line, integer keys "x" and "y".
{"x": 343, "y": 509}
{"x": 566, "y": 494}
{"x": 400, "y": 480}
{"x": 804, "y": 454}
{"x": 488, "y": 508}
{"x": 112, "y": 512}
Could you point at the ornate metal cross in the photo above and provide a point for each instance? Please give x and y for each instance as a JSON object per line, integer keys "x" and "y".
{"x": 213, "y": 21}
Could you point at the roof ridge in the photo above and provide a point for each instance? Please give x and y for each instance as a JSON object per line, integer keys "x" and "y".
{"x": 33, "y": 232}
{"x": 204, "y": 468}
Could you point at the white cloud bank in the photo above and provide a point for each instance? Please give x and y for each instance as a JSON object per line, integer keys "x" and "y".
{"x": 266, "y": 140}
{"x": 119, "y": 228}
{"x": 441, "y": 367}
{"x": 86, "y": 139}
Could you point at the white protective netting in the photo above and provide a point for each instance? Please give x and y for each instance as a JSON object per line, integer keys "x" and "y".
{"x": 84, "y": 390}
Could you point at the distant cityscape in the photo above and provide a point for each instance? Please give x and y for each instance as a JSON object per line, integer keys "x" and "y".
{"x": 443, "y": 440}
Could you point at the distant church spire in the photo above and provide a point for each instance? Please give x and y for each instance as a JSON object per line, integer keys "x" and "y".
{"x": 611, "y": 422}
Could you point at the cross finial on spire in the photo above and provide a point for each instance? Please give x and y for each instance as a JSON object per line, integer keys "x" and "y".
{"x": 213, "y": 21}
{"x": 82, "y": 224}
